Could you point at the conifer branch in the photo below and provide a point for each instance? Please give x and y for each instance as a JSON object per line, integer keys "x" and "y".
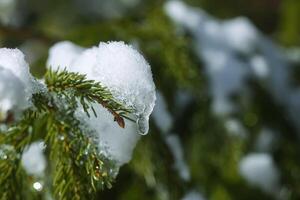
{"x": 78, "y": 169}
{"x": 76, "y": 159}
{"x": 13, "y": 142}
{"x": 72, "y": 84}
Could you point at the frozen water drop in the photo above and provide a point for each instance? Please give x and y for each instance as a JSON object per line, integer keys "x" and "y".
{"x": 143, "y": 125}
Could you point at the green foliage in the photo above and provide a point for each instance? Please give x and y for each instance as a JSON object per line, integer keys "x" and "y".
{"x": 211, "y": 152}
{"x": 77, "y": 169}
{"x": 70, "y": 85}
{"x": 290, "y": 24}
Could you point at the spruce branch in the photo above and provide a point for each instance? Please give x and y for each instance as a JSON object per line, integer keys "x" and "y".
{"x": 77, "y": 168}
{"x": 72, "y": 84}
{"x": 12, "y": 144}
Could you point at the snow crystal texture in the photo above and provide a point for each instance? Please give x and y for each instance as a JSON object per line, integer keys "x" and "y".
{"x": 15, "y": 80}
{"x": 125, "y": 72}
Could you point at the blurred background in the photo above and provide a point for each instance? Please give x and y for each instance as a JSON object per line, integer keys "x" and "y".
{"x": 226, "y": 123}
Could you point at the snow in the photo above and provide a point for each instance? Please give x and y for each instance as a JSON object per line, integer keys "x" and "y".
{"x": 180, "y": 165}
{"x": 16, "y": 80}
{"x": 114, "y": 142}
{"x": 266, "y": 140}
{"x": 117, "y": 66}
{"x": 240, "y": 35}
{"x": 13, "y": 60}
{"x": 178, "y": 12}
{"x": 11, "y": 92}
{"x": 260, "y": 66}
{"x": 126, "y": 73}
{"x": 62, "y": 53}
{"x": 293, "y": 54}
{"x": 164, "y": 121}
{"x": 193, "y": 195}
{"x": 226, "y": 72}
{"x": 128, "y": 76}
{"x": 33, "y": 159}
{"x": 235, "y": 128}
{"x": 233, "y": 51}
{"x": 161, "y": 116}
{"x": 259, "y": 170}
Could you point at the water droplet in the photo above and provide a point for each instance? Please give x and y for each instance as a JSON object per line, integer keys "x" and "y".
{"x": 143, "y": 125}
{"x": 61, "y": 137}
{"x": 37, "y": 186}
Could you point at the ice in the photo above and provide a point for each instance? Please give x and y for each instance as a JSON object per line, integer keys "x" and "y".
{"x": 16, "y": 79}
{"x": 259, "y": 170}
{"x": 128, "y": 76}
{"x": 33, "y": 159}
{"x": 62, "y": 54}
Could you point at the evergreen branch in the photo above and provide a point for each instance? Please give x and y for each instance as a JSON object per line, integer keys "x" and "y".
{"x": 79, "y": 170}
{"x": 13, "y": 142}
{"x": 77, "y": 160}
{"x": 72, "y": 84}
